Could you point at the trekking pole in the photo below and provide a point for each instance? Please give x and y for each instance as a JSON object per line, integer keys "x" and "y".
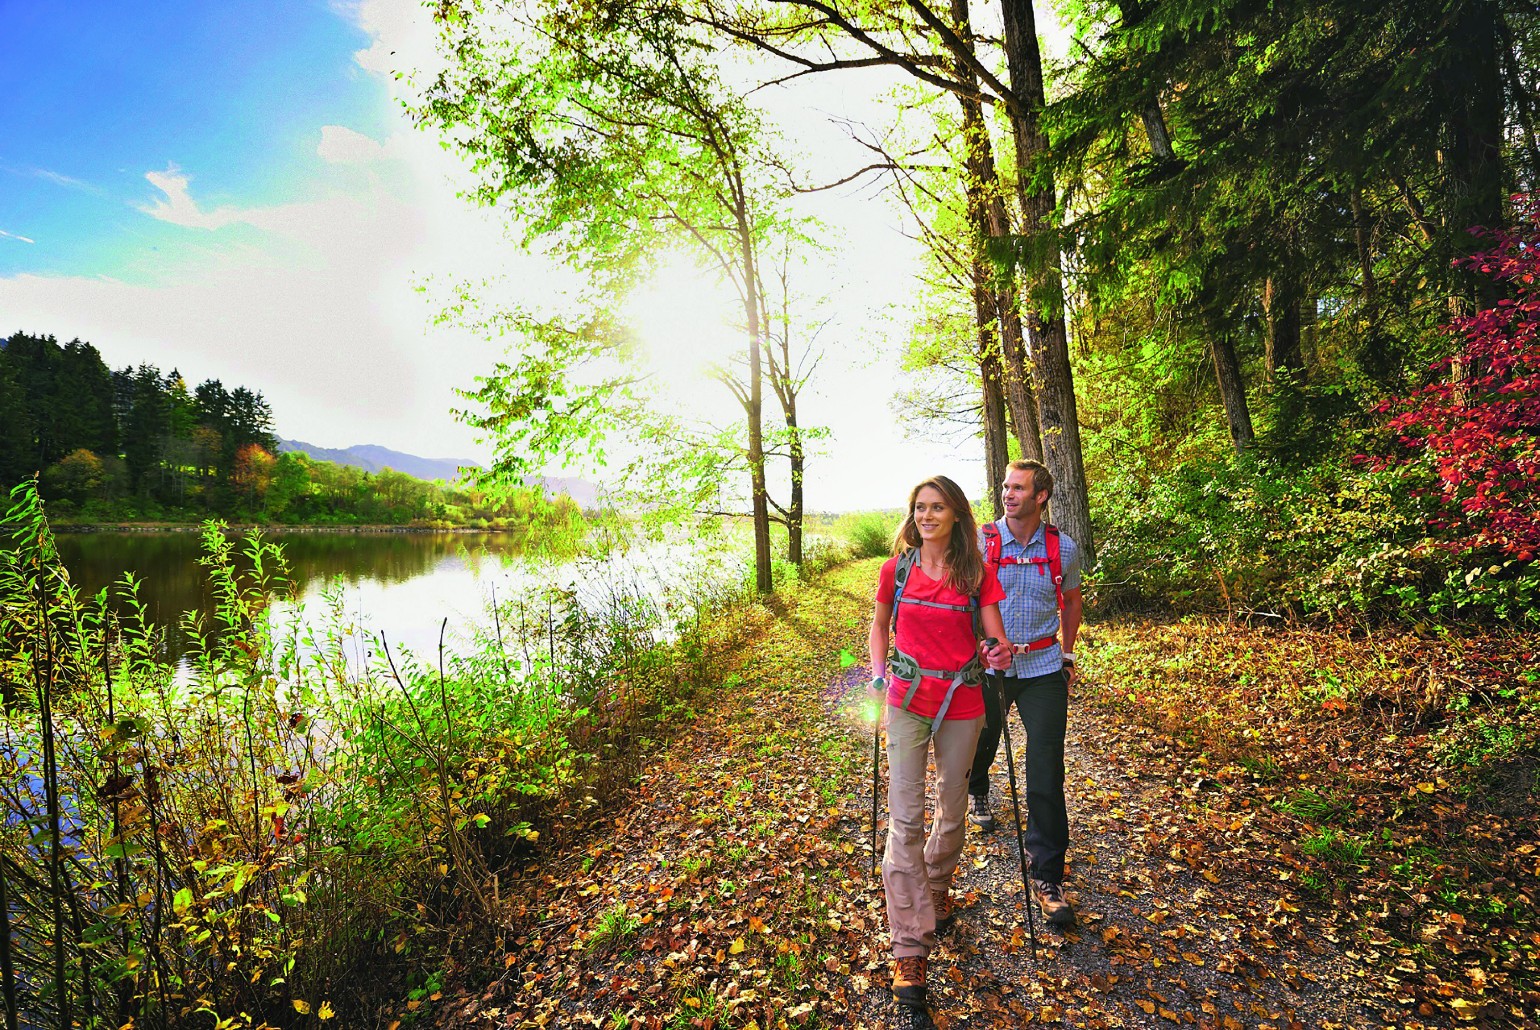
{"x": 1010, "y": 770}
{"x": 876, "y": 753}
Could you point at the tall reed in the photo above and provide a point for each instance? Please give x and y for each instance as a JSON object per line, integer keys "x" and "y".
{"x": 272, "y": 835}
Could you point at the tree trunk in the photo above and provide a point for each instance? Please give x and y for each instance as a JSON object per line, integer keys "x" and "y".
{"x": 988, "y": 216}
{"x": 996, "y": 453}
{"x": 1472, "y": 168}
{"x": 1280, "y": 302}
{"x": 1021, "y": 398}
{"x": 1055, "y": 384}
{"x": 1361, "y": 241}
{"x": 798, "y": 464}
{"x": 1232, "y": 390}
{"x": 754, "y": 407}
{"x": 1155, "y": 128}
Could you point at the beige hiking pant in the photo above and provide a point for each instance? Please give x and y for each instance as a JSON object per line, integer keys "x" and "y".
{"x": 909, "y": 869}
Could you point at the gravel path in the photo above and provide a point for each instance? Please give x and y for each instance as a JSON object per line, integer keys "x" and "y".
{"x": 1179, "y": 922}
{"x": 735, "y": 889}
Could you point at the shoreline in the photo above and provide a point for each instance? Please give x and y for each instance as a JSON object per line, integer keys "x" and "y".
{"x": 197, "y": 527}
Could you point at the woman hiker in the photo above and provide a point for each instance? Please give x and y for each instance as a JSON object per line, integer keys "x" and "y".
{"x": 937, "y": 593}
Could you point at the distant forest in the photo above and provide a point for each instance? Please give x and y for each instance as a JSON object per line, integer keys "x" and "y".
{"x": 137, "y": 444}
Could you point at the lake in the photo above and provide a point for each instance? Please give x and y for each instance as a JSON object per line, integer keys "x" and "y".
{"x": 400, "y": 584}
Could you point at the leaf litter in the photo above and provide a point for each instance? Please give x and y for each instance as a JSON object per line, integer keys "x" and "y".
{"x": 733, "y": 886}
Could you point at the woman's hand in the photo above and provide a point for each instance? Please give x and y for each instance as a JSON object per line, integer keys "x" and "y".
{"x": 997, "y": 654}
{"x": 877, "y": 697}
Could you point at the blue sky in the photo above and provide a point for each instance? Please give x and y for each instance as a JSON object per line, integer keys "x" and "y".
{"x": 97, "y": 95}
{"x": 232, "y": 189}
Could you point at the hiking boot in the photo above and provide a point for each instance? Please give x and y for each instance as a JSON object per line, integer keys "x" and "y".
{"x": 979, "y": 814}
{"x": 906, "y": 1018}
{"x": 941, "y": 898}
{"x": 909, "y": 981}
{"x": 1050, "y": 898}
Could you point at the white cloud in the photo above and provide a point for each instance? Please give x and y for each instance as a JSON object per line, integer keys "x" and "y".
{"x": 14, "y": 236}
{"x": 323, "y": 310}
{"x": 342, "y": 145}
{"x": 67, "y": 181}
{"x": 178, "y": 207}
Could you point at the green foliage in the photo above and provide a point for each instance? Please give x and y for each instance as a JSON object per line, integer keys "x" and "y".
{"x": 151, "y": 439}
{"x": 870, "y": 533}
{"x": 1336, "y": 540}
{"x": 612, "y": 928}
{"x": 237, "y": 839}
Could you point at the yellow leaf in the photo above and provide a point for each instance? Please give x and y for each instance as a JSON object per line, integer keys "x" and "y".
{"x": 1147, "y": 1006}
{"x": 756, "y": 924}
{"x": 694, "y": 1003}
{"x": 736, "y": 948}
{"x": 325, "y": 1011}
{"x": 1426, "y": 788}
{"x": 302, "y": 1007}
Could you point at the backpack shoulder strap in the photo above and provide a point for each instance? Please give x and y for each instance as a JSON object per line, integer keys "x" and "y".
{"x": 901, "y": 572}
{"x": 992, "y": 544}
{"x": 1055, "y": 564}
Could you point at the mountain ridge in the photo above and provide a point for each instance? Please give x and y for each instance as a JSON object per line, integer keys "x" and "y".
{"x": 374, "y": 458}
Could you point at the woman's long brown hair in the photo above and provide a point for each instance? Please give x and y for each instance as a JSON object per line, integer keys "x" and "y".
{"x": 964, "y": 563}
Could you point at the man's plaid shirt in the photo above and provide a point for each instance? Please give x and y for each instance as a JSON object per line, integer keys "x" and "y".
{"x": 1031, "y": 606}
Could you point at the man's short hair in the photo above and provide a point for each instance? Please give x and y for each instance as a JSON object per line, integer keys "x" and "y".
{"x": 1042, "y": 479}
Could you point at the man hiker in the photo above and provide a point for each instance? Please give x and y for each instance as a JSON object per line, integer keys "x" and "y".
{"x": 1039, "y": 567}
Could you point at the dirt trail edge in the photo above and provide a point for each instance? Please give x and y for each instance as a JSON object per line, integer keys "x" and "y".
{"x": 734, "y": 889}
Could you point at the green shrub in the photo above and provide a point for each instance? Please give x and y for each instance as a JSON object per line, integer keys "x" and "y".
{"x": 1245, "y": 533}
{"x": 270, "y": 829}
{"x": 870, "y": 533}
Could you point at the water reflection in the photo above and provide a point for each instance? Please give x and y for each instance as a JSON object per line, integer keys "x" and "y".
{"x": 402, "y": 584}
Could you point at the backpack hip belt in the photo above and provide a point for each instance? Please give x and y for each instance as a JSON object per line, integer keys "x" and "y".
{"x": 904, "y": 667}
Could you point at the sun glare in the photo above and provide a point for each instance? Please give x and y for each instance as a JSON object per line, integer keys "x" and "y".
{"x": 685, "y": 318}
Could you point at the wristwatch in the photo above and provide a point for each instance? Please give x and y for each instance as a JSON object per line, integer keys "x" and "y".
{"x": 1068, "y": 656}
{"x": 879, "y": 681}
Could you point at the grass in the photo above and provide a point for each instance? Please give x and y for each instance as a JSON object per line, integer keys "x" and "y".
{"x": 1335, "y": 848}
{"x": 612, "y": 928}
{"x": 870, "y": 533}
{"x": 1316, "y": 806}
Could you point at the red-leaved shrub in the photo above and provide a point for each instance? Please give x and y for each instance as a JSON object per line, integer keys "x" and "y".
{"x": 1479, "y": 423}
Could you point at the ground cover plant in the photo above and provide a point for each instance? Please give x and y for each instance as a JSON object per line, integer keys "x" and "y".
{"x": 272, "y": 836}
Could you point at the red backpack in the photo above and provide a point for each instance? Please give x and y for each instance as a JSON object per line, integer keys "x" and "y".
{"x": 1045, "y": 566}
